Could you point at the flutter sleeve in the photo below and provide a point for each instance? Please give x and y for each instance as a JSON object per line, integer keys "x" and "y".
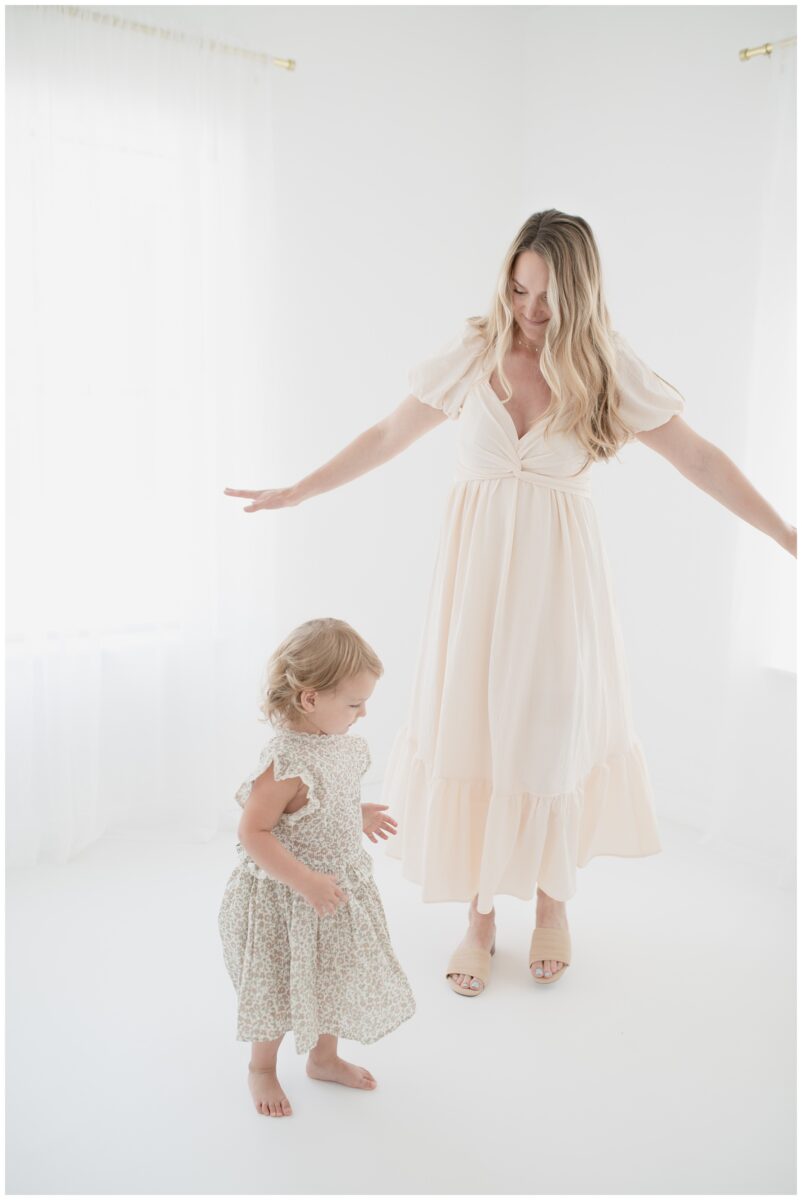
{"x": 646, "y": 401}
{"x": 444, "y": 380}
{"x": 289, "y": 762}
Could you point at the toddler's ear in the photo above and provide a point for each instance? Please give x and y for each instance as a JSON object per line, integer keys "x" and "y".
{"x": 308, "y": 700}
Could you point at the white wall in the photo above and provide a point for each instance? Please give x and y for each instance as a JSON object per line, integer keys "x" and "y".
{"x": 410, "y": 143}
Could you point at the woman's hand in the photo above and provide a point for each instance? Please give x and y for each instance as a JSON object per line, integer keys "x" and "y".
{"x": 374, "y": 821}
{"x": 271, "y": 498}
{"x": 323, "y": 893}
{"x": 370, "y": 449}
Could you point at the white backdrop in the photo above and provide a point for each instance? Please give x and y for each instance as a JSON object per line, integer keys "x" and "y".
{"x": 219, "y": 274}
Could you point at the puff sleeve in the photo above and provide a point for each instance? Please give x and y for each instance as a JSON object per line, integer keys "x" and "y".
{"x": 646, "y": 401}
{"x": 444, "y": 380}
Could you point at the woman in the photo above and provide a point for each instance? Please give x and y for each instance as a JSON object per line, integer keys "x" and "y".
{"x": 519, "y": 759}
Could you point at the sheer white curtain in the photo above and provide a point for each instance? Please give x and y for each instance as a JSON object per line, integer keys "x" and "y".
{"x": 139, "y": 301}
{"x": 764, "y": 625}
{"x": 755, "y": 804}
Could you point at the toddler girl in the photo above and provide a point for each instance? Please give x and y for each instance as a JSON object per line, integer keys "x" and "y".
{"x": 305, "y": 937}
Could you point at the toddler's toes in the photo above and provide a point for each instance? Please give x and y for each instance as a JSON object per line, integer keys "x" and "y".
{"x": 286, "y": 1108}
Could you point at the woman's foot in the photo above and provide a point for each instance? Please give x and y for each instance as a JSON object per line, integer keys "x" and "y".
{"x": 268, "y": 1094}
{"x": 480, "y": 936}
{"x": 337, "y": 1070}
{"x": 550, "y": 915}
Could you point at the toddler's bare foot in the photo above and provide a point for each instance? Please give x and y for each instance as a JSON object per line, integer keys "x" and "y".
{"x": 268, "y": 1094}
{"x": 336, "y": 1070}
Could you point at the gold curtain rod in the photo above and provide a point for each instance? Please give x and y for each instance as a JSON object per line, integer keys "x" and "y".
{"x": 766, "y": 48}
{"x": 288, "y": 64}
{"x": 89, "y": 14}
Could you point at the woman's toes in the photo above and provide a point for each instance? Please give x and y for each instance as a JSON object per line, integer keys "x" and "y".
{"x": 538, "y": 967}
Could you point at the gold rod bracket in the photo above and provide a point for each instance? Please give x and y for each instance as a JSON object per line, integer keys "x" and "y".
{"x": 766, "y": 50}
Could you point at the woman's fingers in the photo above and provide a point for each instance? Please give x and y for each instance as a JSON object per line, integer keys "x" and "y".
{"x": 264, "y": 498}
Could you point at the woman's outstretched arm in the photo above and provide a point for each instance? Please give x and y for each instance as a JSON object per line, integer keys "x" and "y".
{"x": 377, "y": 445}
{"x": 715, "y": 473}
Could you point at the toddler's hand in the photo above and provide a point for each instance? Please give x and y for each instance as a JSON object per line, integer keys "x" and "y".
{"x": 322, "y": 892}
{"x": 374, "y": 821}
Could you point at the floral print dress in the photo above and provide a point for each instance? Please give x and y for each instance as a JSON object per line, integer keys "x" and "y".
{"x": 292, "y": 969}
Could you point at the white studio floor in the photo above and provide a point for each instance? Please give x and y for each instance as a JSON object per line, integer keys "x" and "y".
{"x": 662, "y": 1063}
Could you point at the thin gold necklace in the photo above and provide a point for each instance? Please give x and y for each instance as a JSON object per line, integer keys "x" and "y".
{"x": 526, "y": 345}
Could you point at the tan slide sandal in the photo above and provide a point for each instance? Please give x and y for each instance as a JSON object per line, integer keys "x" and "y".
{"x": 550, "y": 944}
{"x": 470, "y": 962}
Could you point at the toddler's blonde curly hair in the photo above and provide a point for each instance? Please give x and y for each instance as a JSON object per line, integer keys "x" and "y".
{"x": 316, "y": 656}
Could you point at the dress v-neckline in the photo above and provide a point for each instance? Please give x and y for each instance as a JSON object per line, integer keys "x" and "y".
{"x": 503, "y": 407}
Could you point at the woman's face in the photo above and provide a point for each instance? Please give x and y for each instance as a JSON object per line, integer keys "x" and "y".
{"x": 528, "y": 281}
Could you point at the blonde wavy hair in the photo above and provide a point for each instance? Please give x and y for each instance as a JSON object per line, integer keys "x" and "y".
{"x": 317, "y": 656}
{"x": 578, "y": 359}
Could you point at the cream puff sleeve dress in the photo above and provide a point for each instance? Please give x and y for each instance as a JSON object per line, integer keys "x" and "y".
{"x": 519, "y": 759}
{"x": 292, "y": 969}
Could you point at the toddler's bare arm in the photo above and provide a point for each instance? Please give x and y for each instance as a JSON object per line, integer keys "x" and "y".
{"x": 268, "y": 800}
